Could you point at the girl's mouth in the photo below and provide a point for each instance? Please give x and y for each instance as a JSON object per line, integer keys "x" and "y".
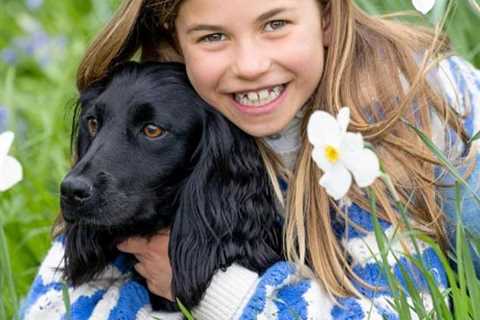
{"x": 259, "y": 98}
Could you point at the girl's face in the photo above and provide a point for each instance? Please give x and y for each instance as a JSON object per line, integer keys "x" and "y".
{"x": 255, "y": 61}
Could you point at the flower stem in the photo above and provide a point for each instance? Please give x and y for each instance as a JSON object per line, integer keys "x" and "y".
{"x": 6, "y": 267}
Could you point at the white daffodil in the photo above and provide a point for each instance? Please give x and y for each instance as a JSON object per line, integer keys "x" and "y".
{"x": 10, "y": 168}
{"x": 340, "y": 154}
{"x": 423, "y": 6}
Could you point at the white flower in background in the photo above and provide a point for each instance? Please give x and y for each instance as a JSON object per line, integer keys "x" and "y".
{"x": 340, "y": 154}
{"x": 423, "y": 6}
{"x": 10, "y": 168}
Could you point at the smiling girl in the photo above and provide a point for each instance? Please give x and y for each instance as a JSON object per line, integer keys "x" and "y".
{"x": 267, "y": 66}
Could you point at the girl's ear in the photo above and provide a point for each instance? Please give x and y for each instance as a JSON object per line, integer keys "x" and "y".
{"x": 326, "y": 16}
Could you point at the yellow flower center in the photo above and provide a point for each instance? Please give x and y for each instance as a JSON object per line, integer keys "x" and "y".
{"x": 332, "y": 154}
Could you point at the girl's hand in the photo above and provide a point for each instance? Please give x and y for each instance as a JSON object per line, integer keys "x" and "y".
{"x": 154, "y": 263}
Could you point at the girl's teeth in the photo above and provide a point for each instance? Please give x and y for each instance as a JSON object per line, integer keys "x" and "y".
{"x": 263, "y": 94}
{"x": 259, "y": 98}
{"x": 252, "y": 96}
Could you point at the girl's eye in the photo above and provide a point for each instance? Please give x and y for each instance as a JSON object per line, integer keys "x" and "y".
{"x": 213, "y": 37}
{"x": 152, "y": 131}
{"x": 275, "y": 25}
{"x": 92, "y": 124}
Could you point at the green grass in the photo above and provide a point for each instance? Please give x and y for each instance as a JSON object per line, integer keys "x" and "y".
{"x": 39, "y": 99}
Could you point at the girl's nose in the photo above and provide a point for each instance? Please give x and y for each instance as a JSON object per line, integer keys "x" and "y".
{"x": 250, "y": 61}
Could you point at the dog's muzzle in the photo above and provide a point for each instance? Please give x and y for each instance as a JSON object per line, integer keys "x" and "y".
{"x": 75, "y": 192}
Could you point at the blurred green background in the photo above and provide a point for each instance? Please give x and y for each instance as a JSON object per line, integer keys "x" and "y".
{"x": 41, "y": 43}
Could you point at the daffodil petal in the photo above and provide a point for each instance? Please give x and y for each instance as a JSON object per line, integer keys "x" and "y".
{"x": 423, "y": 6}
{"x": 351, "y": 142}
{"x": 10, "y": 173}
{"x": 6, "y": 140}
{"x": 343, "y": 118}
{"x": 364, "y": 166}
{"x": 323, "y": 128}
{"x": 336, "y": 181}
{"x": 318, "y": 155}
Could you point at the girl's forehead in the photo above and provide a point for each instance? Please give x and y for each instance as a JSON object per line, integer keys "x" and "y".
{"x": 217, "y": 9}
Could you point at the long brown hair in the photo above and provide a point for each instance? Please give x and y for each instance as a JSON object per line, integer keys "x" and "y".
{"x": 374, "y": 65}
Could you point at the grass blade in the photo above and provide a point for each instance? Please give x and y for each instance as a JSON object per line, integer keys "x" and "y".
{"x": 186, "y": 313}
{"x": 443, "y": 159}
{"x": 6, "y": 270}
{"x": 66, "y": 301}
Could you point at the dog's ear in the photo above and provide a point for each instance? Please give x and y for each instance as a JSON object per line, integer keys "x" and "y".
{"x": 227, "y": 212}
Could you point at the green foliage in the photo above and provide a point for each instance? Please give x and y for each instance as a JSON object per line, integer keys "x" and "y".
{"x": 460, "y": 24}
{"x": 39, "y": 98}
{"x": 39, "y": 89}
{"x": 464, "y": 285}
{"x": 186, "y": 313}
{"x": 66, "y": 300}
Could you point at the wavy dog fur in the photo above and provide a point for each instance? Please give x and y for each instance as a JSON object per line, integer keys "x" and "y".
{"x": 202, "y": 177}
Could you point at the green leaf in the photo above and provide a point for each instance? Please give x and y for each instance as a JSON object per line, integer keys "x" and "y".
{"x": 475, "y": 137}
{"x": 6, "y": 271}
{"x": 186, "y": 313}
{"x": 66, "y": 301}
{"x": 473, "y": 284}
{"x": 444, "y": 161}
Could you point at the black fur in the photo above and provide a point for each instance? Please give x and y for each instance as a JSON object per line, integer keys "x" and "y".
{"x": 203, "y": 177}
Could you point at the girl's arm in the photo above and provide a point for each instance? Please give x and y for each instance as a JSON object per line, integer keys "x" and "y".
{"x": 113, "y": 295}
{"x": 282, "y": 293}
{"x": 236, "y": 293}
{"x": 459, "y": 81}
{"x": 376, "y": 295}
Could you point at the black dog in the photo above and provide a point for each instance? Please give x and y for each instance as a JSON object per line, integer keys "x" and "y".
{"x": 151, "y": 154}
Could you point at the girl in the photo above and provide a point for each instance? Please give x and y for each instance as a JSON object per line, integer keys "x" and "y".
{"x": 267, "y": 66}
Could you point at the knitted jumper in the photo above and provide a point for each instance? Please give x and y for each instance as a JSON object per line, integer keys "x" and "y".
{"x": 281, "y": 292}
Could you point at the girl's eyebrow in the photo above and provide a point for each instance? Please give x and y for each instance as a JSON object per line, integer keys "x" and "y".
{"x": 271, "y": 13}
{"x": 203, "y": 27}
{"x": 212, "y": 27}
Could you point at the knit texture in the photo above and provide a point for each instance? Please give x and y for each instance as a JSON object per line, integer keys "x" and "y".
{"x": 114, "y": 295}
{"x": 280, "y": 293}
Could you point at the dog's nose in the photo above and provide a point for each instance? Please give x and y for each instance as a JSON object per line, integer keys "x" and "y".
{"x": 75, "y": 190}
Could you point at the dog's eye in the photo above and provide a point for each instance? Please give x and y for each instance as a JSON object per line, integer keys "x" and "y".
{"x": 152, "y": 131}
{"x": 92, "y": 126}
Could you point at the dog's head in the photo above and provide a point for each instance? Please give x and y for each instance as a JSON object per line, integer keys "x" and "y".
{"x": 137, "y": 133}
{"x": 151, "y": 154}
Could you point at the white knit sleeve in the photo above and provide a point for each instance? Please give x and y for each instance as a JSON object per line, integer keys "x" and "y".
{"x": 227, "y": 294}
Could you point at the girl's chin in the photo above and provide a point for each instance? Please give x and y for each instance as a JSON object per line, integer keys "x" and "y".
{"x": 260, "y": 130}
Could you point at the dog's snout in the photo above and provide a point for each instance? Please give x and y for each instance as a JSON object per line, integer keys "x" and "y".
{"x": 75, "y": 190}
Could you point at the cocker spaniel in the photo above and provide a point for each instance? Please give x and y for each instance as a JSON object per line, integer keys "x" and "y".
{"x": 152, "y": 154}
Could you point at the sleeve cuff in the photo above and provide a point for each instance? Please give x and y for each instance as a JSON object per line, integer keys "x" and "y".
{"x": 228, "y": 293}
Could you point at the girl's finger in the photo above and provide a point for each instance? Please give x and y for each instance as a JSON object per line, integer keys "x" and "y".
{"x": 140, "y": 258}
{"x": 164, "y": 232}
{"x": 133, "y": 245}
{"x": 140, "y": 268}
{"x": 136, "y": 245}
{"x": 160, "y": 291}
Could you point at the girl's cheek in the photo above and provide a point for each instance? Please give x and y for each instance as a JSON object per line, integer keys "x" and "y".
{"x": 203, "y": 80}
{"x": 206, "y": 70}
